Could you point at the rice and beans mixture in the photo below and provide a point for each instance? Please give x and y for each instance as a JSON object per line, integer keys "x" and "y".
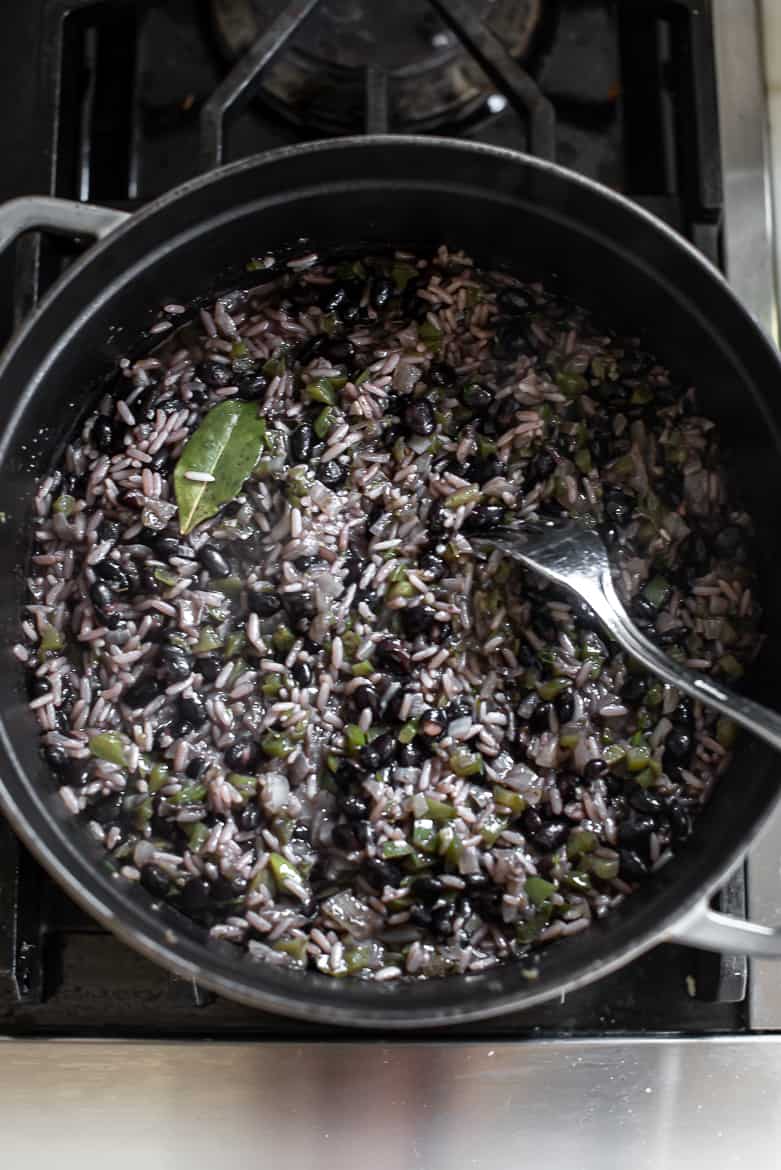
{"x": 279, "y": 686}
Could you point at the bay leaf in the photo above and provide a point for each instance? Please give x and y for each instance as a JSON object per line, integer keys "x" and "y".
{"x": 226, "y": 445}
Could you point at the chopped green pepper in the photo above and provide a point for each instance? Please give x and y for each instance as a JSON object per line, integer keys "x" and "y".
{"x": 276, "y": 746}
{"x": 108, "y": 745}
{"x": 538, "y": 890}
{"x": 283, "y": 870}
{"x": 509, "y": 799}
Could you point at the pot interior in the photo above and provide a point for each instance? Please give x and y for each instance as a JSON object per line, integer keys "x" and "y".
{"x": 534, "y": 220}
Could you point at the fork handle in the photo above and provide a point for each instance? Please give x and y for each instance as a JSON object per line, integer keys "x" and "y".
{"x": 604, "y": 600}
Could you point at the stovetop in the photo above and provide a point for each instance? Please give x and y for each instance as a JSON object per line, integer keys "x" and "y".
{"x": 116, "y": 102}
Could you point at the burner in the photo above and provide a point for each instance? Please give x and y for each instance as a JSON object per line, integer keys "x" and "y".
{"x": 320, "y": 80}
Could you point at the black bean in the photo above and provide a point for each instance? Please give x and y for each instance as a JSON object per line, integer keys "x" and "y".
{"x": 729, "y": 542}
{"x": 155, "y": 880}
{"x": 198, "y": 395}
{"x": 109, "y": 530}
{"x": 338, "y": 350}
{"x": 177, "y": 663}
{"x": 476, "y": 883}
{"x": 635, "y": 828}
{"x": 311, "y": 348}
{"x": 552, "y": 835}
{"x": 344, "y": 838}
{"x": 440, "y": 374}
{"x": 483, "y": 518}
{"x": 632, "y": 866}
{"x": 680, "y": 821}
{"x": 409, "y": 755}
{"x": 565, "y": 705}
{"x": 365, "y": 697}
{"x": 618, "y": 507}
{"x": 103, "y": 434}
{"x": 485, "y": 467}
{"x": 385, "y": 746}
{"x": 442, "y": 920}
{"x": 142, "y": 692}
{"x": 106, "y": 810}
{"x": 250, "y": 819}
{"x": 194, "y": 767}
{"x": 300, "y": 443}
{"x": 539, "y": 720}
{"x": 531, "y": 821}
{"x": 419, "y": 417}
{"x": 419, "y": 916}
{"x": 432, "y": 565}
{"x": 593, "y": 770}
{"x": 196, "y": 895}
{"x": 214, "y": 373}
{"x": 459, "y": 709}
{"x": 77, "y": 774}
{"x": 192, "y": 710}
{"x": 683, "y": 715}
{"x": 643, "y": 799}
{"x": 512, "y": 339}
{"x": 382, "y": 291}
{"x": 301, "y": 673}
{"x": 392, "y": 701}
{"x": 436, "y": 519}
{"x": 100, "y": 594}
{"x": 432, "y": 724}
{"x": 57, "y": 758}
{"x": 417, "y": 619}
{"x": 348, "y": 775}
{"x": 300, "y": 607}
{"x": 488, "y": 904}
{"x": 476, "y": 397}
{"x": 512, "y": 301}
{"x": 427, "y": 889}
{"x": 169, "y": 546}
{"x": 213, "y": 561}
{"x": 263, "y": 601}
{"x": 209, "y": 665}
{"x": 678, "y": 747}
{"x": 109, "y": 571}
{"x": 307, "y": 562}
{"x": 332, "y": 296}
{"x": 355, "y": 808}
{"x": 369, "y": 757}
{"x": 251, "y": 386}
{"x": 634, "y": 689}
{"x": 147, "y": 578}
{"x": 379, "y": 874}
{"x": 242, "y": 755}
{"x": 393, "y": 656}
{"x": 332, "y": 474}
{"x": 225, "y": 889}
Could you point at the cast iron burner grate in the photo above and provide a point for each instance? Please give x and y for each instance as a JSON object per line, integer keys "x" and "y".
{"x": 431, "y": 80}
{"x": 116, "y": 101}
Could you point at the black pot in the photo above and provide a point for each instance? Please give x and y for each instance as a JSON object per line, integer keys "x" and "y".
{"x": 505, "y": 210}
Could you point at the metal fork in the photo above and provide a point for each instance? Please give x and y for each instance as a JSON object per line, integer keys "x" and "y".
{"x": 573, "y": 555}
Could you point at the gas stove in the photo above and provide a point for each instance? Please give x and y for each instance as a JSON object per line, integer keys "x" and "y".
{"x": 115, "y": 102}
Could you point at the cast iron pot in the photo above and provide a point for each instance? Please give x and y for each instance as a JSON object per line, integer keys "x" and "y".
{"x": 531, "y": 217}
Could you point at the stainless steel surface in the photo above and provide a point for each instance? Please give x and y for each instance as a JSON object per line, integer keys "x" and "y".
{"x": 596, "y": 1105}
{"x": 745, "y": 158}
{"x": 749, "y": 237}
{"x": 56, "y": 215}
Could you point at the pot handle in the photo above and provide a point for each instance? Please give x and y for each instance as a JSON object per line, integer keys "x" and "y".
{"x": 66, "y": 216}
{"x": 708, "y": 930}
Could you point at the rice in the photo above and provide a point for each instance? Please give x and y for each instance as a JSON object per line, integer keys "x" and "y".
{"x": 318, "y": 724}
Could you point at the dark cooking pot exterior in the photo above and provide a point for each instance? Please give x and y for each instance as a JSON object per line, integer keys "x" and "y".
{"x": 505, "y": 209}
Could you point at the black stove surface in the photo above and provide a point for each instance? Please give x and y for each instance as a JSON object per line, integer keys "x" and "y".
{"x": 117, "y": 101}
